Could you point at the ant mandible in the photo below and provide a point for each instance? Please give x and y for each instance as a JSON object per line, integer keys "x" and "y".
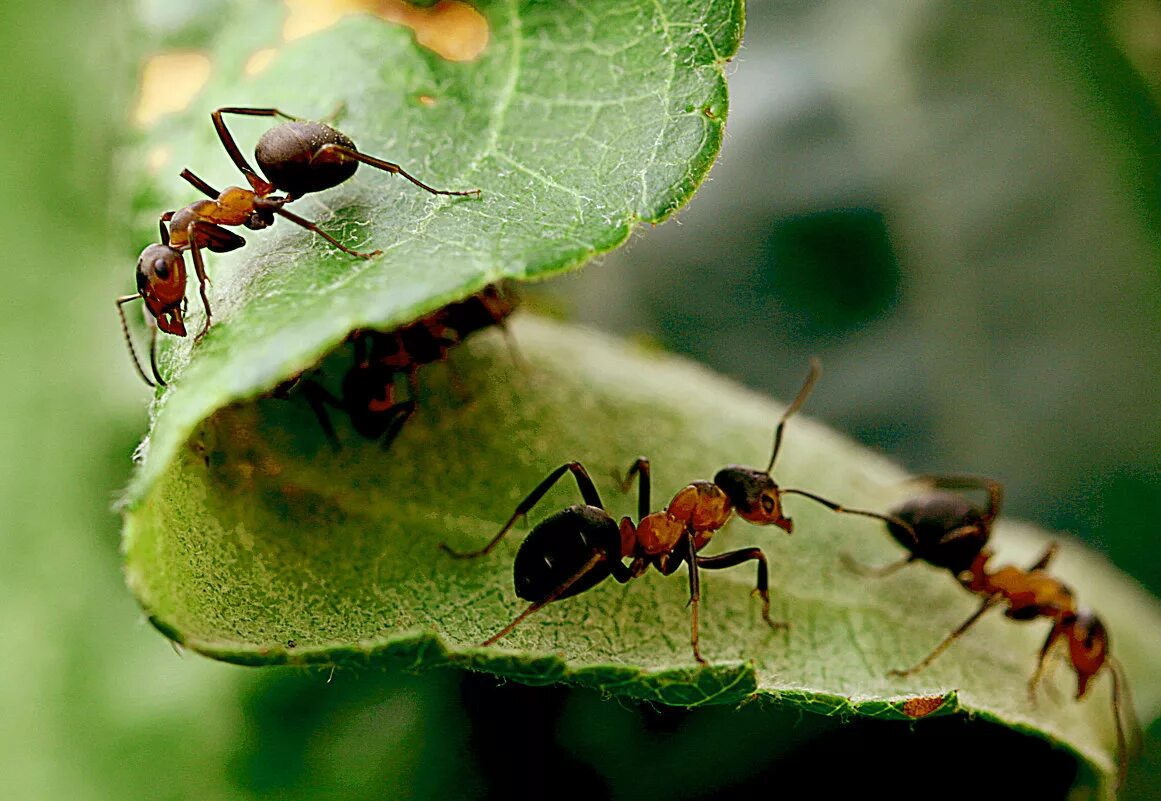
{"x": 952, "y": 533}
{"x": 368, "y": 387}
{"x": 298, "y": 157}
{"x": 579, "y": 547}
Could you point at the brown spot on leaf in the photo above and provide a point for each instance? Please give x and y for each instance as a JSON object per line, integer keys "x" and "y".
{"x": 922, "y": 706}
{"x": 451, "y": 28}
{"x": 169, "y": 83}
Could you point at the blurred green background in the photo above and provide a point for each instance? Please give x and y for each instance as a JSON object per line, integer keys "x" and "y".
{"x": 956, "y": 205}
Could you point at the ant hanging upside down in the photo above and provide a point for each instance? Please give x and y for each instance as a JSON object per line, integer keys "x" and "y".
{"x": 581, "y": 546}
{"x": 953, "y": 533}
{"x": 368, "y": 387}
{"x": 298, "y": 157}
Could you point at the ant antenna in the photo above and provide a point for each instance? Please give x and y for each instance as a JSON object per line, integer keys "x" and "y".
{"x": 121, "y": 301}
{"x": 803, "y": 394}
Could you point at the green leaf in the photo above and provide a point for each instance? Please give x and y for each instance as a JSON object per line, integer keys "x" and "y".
{"x": 258, "y": 536}
{"x": 577, "y": 122}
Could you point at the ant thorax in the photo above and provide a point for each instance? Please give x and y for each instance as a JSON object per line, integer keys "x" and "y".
{"x": 700, "y": 507}
{"x": 1031, "y": 593}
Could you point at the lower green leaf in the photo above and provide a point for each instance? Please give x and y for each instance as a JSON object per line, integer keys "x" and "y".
{"x": 261, "y": 545}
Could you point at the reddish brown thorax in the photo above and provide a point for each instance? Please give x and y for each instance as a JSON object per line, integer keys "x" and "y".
{"x": 700, "y": 508}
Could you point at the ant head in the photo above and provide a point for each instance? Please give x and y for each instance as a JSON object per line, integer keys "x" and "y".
{"x": 753, "y": 492}
{"x": 1088, "y": 647}
{"x": 161, "y": 284}
{"x": 755, "y": 495}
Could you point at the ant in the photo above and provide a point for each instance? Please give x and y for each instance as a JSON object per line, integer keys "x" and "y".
{"x": 298, "y": 157}
{"x": 161, "y": 281}
{"x": 368, "y": 387}
{"x": 577, "y": 548}
{"x": 952, "y": 533}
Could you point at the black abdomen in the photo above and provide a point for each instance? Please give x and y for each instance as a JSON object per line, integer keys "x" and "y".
{"x": 284, "y": 154}
{"x": 560, "y": 546}
{"x": 948, "y": 527}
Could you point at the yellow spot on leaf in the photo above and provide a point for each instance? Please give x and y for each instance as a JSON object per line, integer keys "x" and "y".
{"x": 169, "y": 83}
{"x": 451, "y": 28}
{"x": 427, "y": 100}
{"x": 158, "y": 157}
{"x": 259, "y": 60}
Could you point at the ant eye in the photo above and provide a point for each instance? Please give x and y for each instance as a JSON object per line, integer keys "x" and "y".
{"x": 767, "y": 504}
{"x": 161, "y": 269}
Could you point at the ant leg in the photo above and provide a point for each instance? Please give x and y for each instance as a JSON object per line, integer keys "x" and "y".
{"x": 200, "y": 269}
{"x": 199, "y": 184}
{"x": 1045, "y": 558}
{"x": 690, "y": 557}
{"x": 994, "y": 489}
{"x": 834, "y": 507}
{"x": 121, "y": 301}
{"x": 165, "y": 217}
{"x": 988, "y": 603}
{"x": 875, "y": 572}
{"x": 639, "y": 468}
{"x": 337, "y": 153}
{"x": 587, "y": 489}
{"x": 1042, "y": 660}
{"x": 257, "y": 183}
{"x": 762, "y": 590}
{"x": 308, "y": 225}
{"x": 402, "y": 412}
{"x": 317, "y": 395}
{"x": 594, "y": 560}
{"x": 795, "y": 405}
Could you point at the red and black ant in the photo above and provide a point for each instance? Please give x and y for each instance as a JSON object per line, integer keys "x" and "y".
{"x": 577, "y": 548}
{"x": 368, "y": 387}
{"x": 298, "y": 157}
{"x": 952, "y": 533}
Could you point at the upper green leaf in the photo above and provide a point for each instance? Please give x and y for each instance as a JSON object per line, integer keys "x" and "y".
{"x": 577, "y": 121}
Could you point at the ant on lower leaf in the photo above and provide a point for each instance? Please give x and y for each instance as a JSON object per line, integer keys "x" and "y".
{"x": 952, "y": 533}
{"x": 581, "y": 546}
{"x": 298, "y": 157}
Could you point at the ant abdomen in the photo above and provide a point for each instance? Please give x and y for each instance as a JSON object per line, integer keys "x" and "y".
{"x": 949, "y": 530}
{"x": 287, "y": 155}
{"x": 560, "y": 547}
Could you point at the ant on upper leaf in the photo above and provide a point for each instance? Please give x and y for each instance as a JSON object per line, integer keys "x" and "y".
{"x": 952, "y": 533}
{"x": 298, "y": 157}
{"x": 577, "y": 548}
{"x": 367, "y": 393}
